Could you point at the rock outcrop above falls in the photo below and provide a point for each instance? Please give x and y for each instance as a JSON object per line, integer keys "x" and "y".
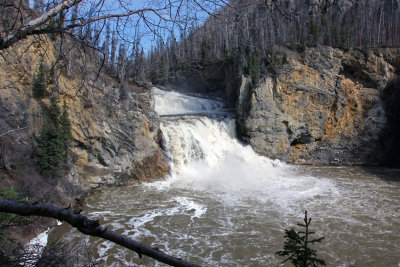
{"x": 323, "y": 106}
{"x": 117, "y": 141}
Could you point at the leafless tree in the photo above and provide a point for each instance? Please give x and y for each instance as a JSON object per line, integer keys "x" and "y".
{"x": 73, "y": 16}
{"x": 257, "y": 25}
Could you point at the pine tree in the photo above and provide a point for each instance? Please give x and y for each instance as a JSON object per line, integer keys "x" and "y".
{"x": 255, "y": 68}
{"x": 314, "y": 31}
{"x": 343, "y": 34}
{"x": 205, "y": 46}
{"x": 65, "y": 128}
{"x": 49, "y": 150}
{"x": 54, "y": 139}
{"x": 39, "y": 83}
{"x": 336, "y": 36}
{"x": 164, "y": 69}
{"x": 174, "y": 51}
{"x": 297, "y": 247}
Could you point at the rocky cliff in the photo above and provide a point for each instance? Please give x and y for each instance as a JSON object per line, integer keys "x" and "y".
{"x": 115, "y": 131}
{"x": 322, "y": 106}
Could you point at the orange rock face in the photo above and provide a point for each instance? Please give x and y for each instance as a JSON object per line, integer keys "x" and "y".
{"x": 320, "y": 107}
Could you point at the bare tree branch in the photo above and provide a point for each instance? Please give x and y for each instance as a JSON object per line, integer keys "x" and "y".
{"x": 35, "y": 24}
{"x": 13, "y": 130}
{"x": 42, "y": 25}
{"x": 89, "y": 227}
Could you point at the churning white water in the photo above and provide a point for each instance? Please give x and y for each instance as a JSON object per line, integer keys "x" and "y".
{"x": 206, "y": 155}
{"x": 224, "y": 205}
{"x": 172, "y": 103}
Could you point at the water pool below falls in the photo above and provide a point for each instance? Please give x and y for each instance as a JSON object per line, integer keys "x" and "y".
{"x": 224, "y": 205}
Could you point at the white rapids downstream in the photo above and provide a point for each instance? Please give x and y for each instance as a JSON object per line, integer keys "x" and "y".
{"x": 224, "y": 205}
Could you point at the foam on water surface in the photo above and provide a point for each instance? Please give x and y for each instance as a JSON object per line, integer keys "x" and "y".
{"x": 224, "y": 205}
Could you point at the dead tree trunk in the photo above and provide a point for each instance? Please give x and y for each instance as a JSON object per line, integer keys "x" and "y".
{"x": 89, "y": 227}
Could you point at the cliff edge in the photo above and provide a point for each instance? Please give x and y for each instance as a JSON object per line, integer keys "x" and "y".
{"x": 321, "y": 106}
{"x": 115, "y": 131}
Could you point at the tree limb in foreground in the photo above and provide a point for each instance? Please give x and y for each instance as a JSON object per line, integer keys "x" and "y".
{"x": 88, "y": 227}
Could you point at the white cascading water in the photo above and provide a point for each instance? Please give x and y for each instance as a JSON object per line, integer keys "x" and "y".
{"x": 224, "y": 205}
{"x": 206, "y": 155}
{"x": 172, "y": 103}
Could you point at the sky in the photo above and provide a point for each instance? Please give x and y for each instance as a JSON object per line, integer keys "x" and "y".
{"x": 172, "y": 15}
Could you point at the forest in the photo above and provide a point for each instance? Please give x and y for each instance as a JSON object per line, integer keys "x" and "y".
{"x": 234, "y": 32}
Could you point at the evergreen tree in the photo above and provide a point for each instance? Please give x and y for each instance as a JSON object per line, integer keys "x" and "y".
{"x": 39, "y": 83}
{"x": 164, "y": 69}
{"x": 65, "y": 128}
{"x": 240, "y": 58}
{"x": 255, "y": 68}
{"x": 314, "y": 31}
{"x": 297, "y": 246}
{"x": 173, "y": 51}
{"x": 205, "y": 46}
{"x": 336, "y": 36}
{"x": 343, "y": 37}
{"x": 327, "y": 39}
{"x": 49, "y": 156}
{"x": 54, "y": 140}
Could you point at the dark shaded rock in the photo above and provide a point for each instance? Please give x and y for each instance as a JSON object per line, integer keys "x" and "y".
{"x": 391, "y": 133}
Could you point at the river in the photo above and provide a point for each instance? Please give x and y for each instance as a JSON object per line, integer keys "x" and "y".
{"x": 224, "y": 205}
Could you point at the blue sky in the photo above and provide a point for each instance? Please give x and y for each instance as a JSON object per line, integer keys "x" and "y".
{"x": 150, "y": 29}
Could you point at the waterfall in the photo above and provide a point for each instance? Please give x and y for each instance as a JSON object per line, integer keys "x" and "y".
{"x": 205, "y": 154}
